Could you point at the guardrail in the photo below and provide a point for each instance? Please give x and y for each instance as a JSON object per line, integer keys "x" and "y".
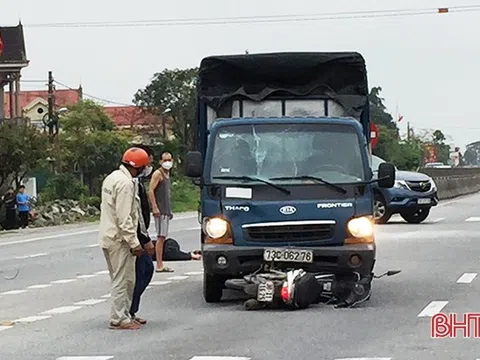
{"x": 455, "y": 181}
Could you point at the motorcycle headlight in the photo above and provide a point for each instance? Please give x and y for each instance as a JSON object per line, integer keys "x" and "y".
{"x": 361, "y": 227}
{"x": 216, "y": 227}
{"x": 400, "y": 184}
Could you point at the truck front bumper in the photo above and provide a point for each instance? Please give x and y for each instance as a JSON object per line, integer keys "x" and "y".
{"x": 235, "y": 261}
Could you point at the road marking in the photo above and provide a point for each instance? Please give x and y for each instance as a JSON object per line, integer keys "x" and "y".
{"x": 65, "y": 281}
{"x": 438, "y": 220}
{"x": 92, "y": 246}
{"x": 473, "y": 218}
{"x": 2, "y": 327}
{"x": 159, "y": 282}
{"x": 86, "y": 276}
{"x": 177, "y": 278}
{"x": 194, "y": 273}
{"x": 31, "y": 256}
{"x": 39, "y": 286}
{"x": 366, "y": 358}
{"x": 13, "y": 292}
{"x": 31, "y": 319}
{"x": 193, "y": 228}
{"x": 75, "y": 233}
{"x": 219, "y": 358}
{"x": 85, "y": 358}
{"x": 106, "y": 296}
{"x": 90, "y": 302}
{"x": 433, "y": 308}
{"x": 61, "y": 310}
{"x": 466, "y": 278}
{"x": 103, "y": 272}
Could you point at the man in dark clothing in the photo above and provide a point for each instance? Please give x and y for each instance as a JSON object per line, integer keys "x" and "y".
{"x": 11, "y": 209}
{"x": 144, "y": 266}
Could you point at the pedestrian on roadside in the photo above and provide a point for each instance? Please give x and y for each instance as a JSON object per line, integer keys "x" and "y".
{"x": 118, "y": 234}
{"x": 10, "y": 201}
{"x": 23, "y": 202}
{"x": 160, "y": 197}
{"x": 144, "y": 266}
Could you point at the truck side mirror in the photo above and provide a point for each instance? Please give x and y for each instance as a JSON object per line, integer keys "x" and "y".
{"x": 194, "y": 164}
{"x": 386, "y": 175}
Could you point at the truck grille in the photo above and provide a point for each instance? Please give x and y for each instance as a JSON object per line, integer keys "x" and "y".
{"x": 420, "y": 186}
{"x": 288, "y": 233}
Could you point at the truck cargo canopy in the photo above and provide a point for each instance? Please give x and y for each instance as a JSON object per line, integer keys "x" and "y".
{"x": 338, "y": 76}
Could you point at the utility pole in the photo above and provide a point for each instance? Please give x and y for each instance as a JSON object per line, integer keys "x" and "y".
{"x": 50, "y": 122}
{"x": 408, "y": 131}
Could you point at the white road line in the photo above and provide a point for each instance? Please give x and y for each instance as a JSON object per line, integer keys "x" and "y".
{"x": 366, "y": 358}
{"x": 106, "y": 296}
{"x": 48, "y": 237}
{"x": 156, "y": 283}
{"x": 192, "y": 228}
{"x": 466, "y": 278}
{"x": 473, "y": 218}
{"x": 31, "y": 319}
{"x": 194, "y": 273}
{"x": 2, "y": 327}
{"x": 438, "y": 220}
{"x": 31, "y": 256}
{"x": 64, "y": 281}
{"x": 177, "y": 278}
{"x": 219, "y": 358}
{"x": 39, "y": 286}
{"x": 93, "y": 245}
{"x": 61, "y": 310}
{"x": 86, "y": 276}
{"x": 85, "y": 358}
{"x": 433, "y": 308}
{"x": 13, "y": 292}
{"x": 90, "y": 302}
{"x": 103, "y": 272}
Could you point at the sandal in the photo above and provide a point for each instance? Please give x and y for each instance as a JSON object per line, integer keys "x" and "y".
{"x": 164, "y": 269}
{"x": 125, "y": 326}
{"x": 140, "y": 320}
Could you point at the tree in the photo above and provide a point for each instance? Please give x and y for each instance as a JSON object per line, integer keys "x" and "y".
{"x": 90, "y": 144}
{"x": 22, "y": 147}
{"x": 174, "y": 90}
{"x": 378, "y": 111}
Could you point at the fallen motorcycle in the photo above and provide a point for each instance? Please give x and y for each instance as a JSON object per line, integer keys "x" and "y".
{"x": 298, "y": 289}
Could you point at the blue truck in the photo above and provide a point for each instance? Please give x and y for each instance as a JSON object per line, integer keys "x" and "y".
{"x": 284, "y": 165}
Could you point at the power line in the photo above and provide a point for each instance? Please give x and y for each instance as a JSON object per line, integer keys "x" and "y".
{"x": 265, "y": 19}
{"x": 94, "y": 97}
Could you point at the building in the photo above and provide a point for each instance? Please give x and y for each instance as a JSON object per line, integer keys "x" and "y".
{"x": 34, "y": 104}
{"x": 13, "y": 59}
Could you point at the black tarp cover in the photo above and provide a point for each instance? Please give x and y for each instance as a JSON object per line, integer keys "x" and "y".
{"x": 340, "y": 76}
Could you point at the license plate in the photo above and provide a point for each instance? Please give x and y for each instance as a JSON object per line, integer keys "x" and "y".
{"x": 288, "y": 255}
{"x": 424, "y": 201}
{"x": 266, "y": 290}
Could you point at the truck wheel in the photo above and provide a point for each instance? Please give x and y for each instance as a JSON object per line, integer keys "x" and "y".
{"x": 415, "y": 217}
{"x": 212, "y": 287}
{"x": 381, "y": 213}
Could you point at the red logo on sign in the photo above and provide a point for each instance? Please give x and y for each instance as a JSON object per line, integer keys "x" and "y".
{"x": 1, "y": 45}
{"x": 449, "y": 326}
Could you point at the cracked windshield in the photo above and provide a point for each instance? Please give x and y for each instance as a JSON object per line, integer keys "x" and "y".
{"x": 255, "y": 180}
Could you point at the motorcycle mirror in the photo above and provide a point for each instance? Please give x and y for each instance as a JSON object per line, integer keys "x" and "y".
{"x": 393, "y": 272}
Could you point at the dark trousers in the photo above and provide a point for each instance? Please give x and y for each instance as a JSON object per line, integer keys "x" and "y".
{"x": 23, "y": 215}
{"x": 144, "y": 269}
{"x": 10, "y": 219}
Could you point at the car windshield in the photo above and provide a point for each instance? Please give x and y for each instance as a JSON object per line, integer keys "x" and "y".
{"x": 376, "y": 161}
{"x": 270, "y": 151}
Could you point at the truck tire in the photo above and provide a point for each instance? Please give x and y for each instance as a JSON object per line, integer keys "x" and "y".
{"x": 417, "y": 216}
{"x": 212, "y": 287}
{"x": 381, "y": 213}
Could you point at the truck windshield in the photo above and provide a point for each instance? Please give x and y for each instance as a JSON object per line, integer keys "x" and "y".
{"x": 330, "y": 152}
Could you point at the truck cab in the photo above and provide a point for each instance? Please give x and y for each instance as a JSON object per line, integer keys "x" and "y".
{"x": 283, "y": 165}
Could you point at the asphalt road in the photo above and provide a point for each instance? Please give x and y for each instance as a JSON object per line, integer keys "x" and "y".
{"x": 59, "y": 301}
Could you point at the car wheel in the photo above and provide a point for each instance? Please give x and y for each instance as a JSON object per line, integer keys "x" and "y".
{"x": 212, "y": 287}
{"x": 381, "y": 213}
{"x": 417, "y": 216}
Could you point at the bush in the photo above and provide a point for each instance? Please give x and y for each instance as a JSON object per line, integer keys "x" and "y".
{"x": 94, "y": 201}
{"x": 185, "y": 195}
{"x": 63, "y": 186}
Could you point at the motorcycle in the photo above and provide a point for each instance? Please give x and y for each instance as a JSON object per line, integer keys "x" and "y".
{"x": 298, "y": 289}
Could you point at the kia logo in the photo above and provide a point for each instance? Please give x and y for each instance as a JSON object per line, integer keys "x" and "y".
{"x": 288, "y": 210}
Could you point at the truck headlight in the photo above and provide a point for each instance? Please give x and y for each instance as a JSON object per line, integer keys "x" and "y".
{"x": 216, "y": 227}
{"x": 361, "y": 227}
{"x": 433, "y": 185}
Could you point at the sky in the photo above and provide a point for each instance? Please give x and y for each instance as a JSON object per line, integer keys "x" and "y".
{"x": 427, "y": 65}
